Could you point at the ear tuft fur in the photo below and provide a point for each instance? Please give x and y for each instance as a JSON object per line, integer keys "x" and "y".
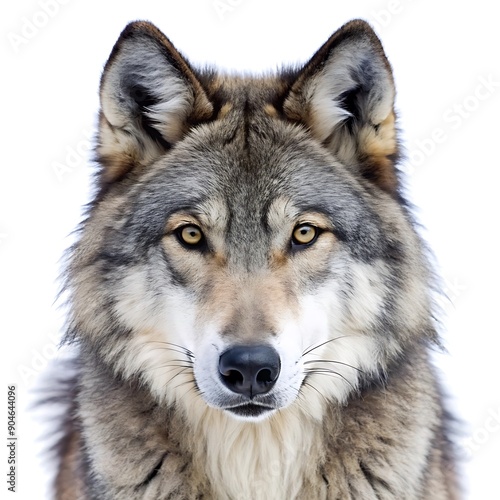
{"x": 345, "y": 96}
{"x": 149, "y": 99}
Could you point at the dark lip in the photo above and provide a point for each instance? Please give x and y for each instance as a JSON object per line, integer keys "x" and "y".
{"x": 249, "y": 410}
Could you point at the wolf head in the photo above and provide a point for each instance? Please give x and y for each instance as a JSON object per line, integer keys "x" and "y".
{"x": 248, "y": 250}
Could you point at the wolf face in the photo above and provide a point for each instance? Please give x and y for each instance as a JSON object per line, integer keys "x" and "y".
{"x": 248, "y": 251}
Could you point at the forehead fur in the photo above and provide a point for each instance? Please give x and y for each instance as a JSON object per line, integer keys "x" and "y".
{"x": 176, "y": 138}
{"x": 152, "y": 99}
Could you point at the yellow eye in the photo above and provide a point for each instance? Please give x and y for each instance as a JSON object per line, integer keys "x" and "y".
{"x": 190, "y": 235}
{"x": 304, "y": 234}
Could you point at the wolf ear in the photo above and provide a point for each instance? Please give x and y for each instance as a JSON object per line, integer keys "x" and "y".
{"x": 149, "y": 98}
{"x": 345, "y": 96}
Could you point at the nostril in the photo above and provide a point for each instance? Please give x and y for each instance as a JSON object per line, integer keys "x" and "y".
{"x": 233, "y": 377}
{"x": 264, "y": 376}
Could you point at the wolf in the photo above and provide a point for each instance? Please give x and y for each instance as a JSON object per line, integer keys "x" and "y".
{"x": 250, "y": 299}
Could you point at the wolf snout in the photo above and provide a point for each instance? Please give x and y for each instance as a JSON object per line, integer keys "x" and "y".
{"x": 249, "y": 370}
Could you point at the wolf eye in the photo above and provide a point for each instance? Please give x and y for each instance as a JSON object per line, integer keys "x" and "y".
{"x": 190, "y": 235}
{"x": 304, "y": 234}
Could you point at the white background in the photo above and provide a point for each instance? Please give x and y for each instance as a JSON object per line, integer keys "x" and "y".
{"x": 442, "y": 54}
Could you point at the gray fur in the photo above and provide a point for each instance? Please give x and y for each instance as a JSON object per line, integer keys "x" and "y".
{"x": 248, "y": 159}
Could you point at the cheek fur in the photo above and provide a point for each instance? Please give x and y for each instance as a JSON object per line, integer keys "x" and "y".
{"x": 319, "y": 327}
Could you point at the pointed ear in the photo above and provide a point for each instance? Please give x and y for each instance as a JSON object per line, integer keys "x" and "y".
{"x": 345, "y": 96}
{"x": 149, "y": 99}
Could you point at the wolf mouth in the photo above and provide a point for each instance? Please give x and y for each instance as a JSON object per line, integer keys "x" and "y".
{"x": 250, "y": 410}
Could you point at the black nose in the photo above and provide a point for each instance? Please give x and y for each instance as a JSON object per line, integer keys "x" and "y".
{"x": 249, "y": 370}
